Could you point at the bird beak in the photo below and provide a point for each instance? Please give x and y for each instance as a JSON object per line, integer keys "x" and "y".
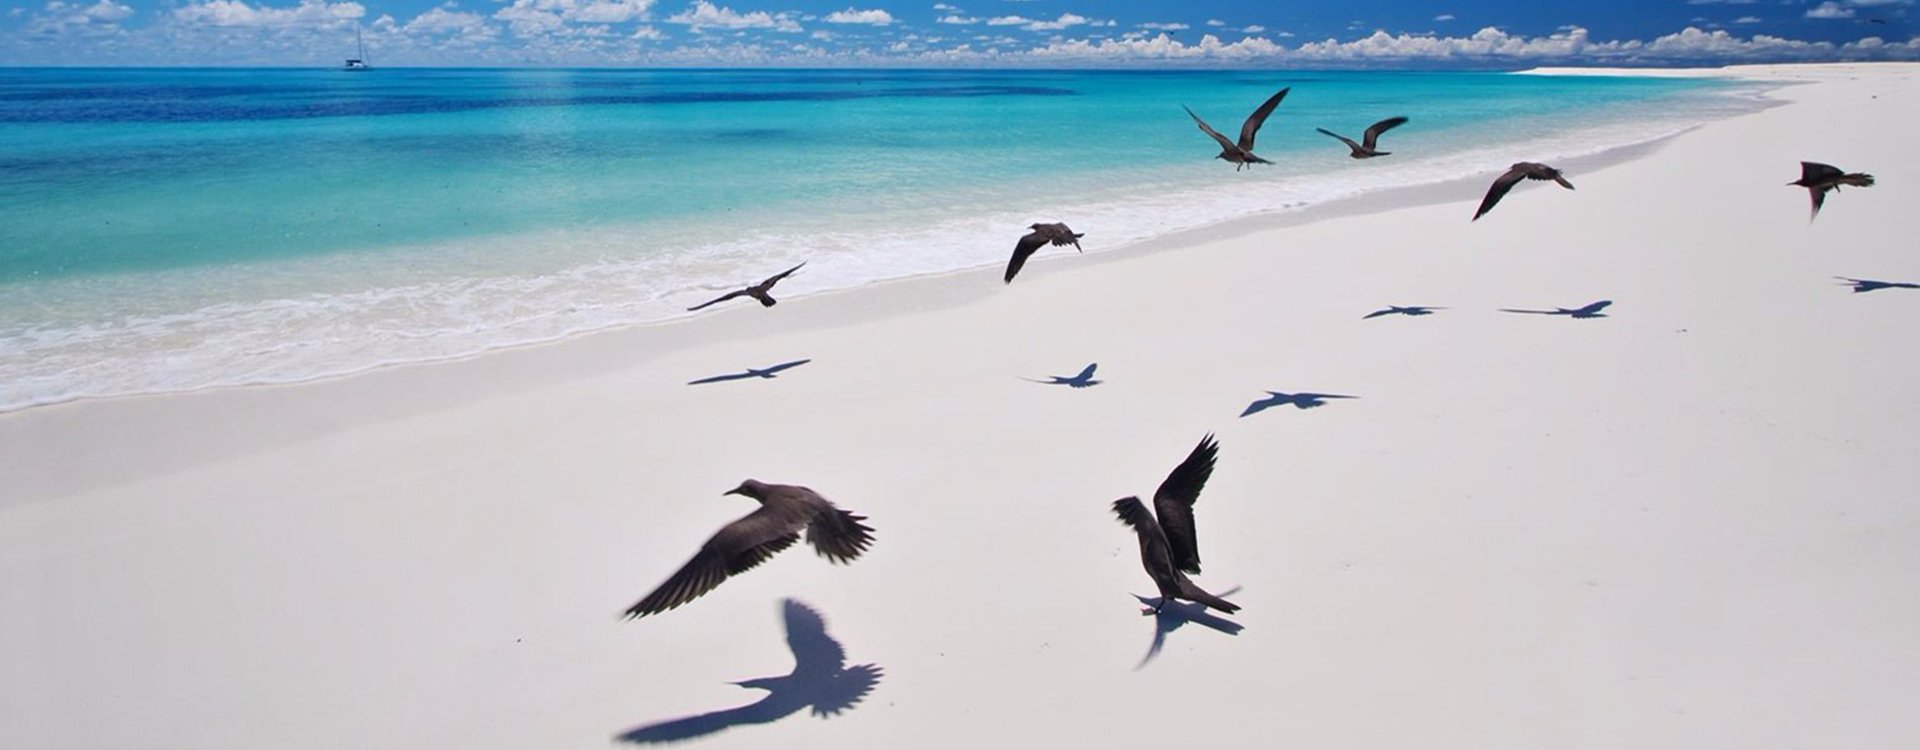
{"x": 734, "y": 491}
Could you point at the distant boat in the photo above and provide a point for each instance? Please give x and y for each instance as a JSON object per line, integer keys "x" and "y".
{"x": 360, "y": 62}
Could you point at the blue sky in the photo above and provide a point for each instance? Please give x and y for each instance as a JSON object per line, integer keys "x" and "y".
{"x": 1024, "y": 33}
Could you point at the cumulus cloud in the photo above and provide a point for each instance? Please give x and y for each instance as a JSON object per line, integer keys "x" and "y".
{"x": 446, "y": 20}
{"x": 239, "y": 13}
{"x": 703, "y": 14}
{"x": 874, "y": 17}
{"x": 1830, "y": 10}
{"x": 1164, "y": 26}
{"x": 1254, "y": 29}
{"x": 957, "y": 20}
{"x": 1747, "y": 19}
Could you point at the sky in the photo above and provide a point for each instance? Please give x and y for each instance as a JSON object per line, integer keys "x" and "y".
{"x": 920, "y": 33}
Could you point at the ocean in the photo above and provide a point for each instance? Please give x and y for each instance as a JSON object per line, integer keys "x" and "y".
{"x": 178, "y": 229}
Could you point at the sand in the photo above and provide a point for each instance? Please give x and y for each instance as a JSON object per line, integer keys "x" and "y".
{"x": 1693, "y": 523}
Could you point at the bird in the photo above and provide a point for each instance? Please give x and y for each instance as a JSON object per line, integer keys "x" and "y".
{"x": 758, "y": 291}
{"x": 1525, "y": 170}
{"x": 767, "y": 373}
{"x": 1168, "y": 549}
{"x": 785, "y": 511}
{"x": 1241, "y": 152}
{"x": 1298, "y": 400}
{"x": 1057, "y": 233}
{"x": 1869, "y": 285}
{"x": 1082, "y": 380}
{"x": 1591, "y": 310}
{"x": 820, "y": 680}
{"x": 1818, "y": 178}
{"x": 1409, "y": 310}
{"x": 1365, "y": 148}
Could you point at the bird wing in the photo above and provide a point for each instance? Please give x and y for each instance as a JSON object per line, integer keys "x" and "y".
{"x": 845, "y": 689}
{"x": 775, "y": 279}
{"x": 814, "y": 652}
{"x": 1813, "y": 171}
{"x": 1173, "y": 503}
{"x": 1819, "y": 196}
{"x": 1022, "y": 250}
{"x": 735, "y": 549}
{"x": 701, "y": 725}
{"x": 1499, "y": 189}
{"x": 1060, "y": 235}
{"x": 1208, "y": 129}
{"x": 1343, "y": 139}
{"x": 837, "y": 534}
{"x": 1086, "y": 373}
{"x": 1262, "y": 404}
{"x": 1258, "y": 118}
{"x": 1372, "y": 136}
{"x": 720, "y": 299}
{"x": 785, "y": 366}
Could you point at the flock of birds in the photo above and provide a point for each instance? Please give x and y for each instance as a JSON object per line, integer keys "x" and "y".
{"x": 1169, "y": 549}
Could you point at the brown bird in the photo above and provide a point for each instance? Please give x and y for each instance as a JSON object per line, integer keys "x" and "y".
{"x": 1168, "y": 549}
{"x": 1241, "y": 153}
{"x": 1056, "y": 233}
{"x": 1818, "y": 178}
{"x": 757, "y": 291}
{"x": 785, "y": 511}
{"x": 1365, "y": 149}
{"x": 1525, "y": 170}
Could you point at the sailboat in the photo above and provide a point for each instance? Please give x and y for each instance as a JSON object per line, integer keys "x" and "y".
{"x": 360, "y": 62}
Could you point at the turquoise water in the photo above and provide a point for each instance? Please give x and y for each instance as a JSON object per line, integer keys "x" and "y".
{"x": 180, "y": 229}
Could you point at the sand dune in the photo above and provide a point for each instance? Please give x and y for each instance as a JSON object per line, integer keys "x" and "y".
{"x": 1691, "y": 523}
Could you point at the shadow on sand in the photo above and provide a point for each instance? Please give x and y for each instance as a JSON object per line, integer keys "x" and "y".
{"x": 1411, "y": 311}
{"x": 1176, "y": 613}
{"x": 821, "y": 680}
{"x": 1083, "y": 380}
{"x": 1869, "y": 285}
{"x": 766, "y": 373}
{"x": 1592, "y": 310}
{"x": 1296, "y": 400}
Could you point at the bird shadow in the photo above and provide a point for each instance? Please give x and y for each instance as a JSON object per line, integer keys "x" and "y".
{"x": 1082, "y": 380}
{"x": 1174, "y": 614}
{"x": 765, "y": 373}
{"x": 1591, "y": 310}
{"x": 820, "y": 681}
{"x": 1296, "y": 400}
{"x": 1411, "y": 311}
{"x": 1871, "y": 285}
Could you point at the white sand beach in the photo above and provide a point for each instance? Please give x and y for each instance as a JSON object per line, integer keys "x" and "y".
{"x": 1694, "y": 523}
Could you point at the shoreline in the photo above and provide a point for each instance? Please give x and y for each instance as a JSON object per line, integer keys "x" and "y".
{"x": 1365, "y": 200}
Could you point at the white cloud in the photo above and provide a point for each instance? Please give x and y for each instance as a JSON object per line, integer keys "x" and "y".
{"x": 239, "y": 13}
{"x": 703, "y": 14}
{"x": 1008, "y": 20}
{"x": 1216, "y": 22}
{"x": 446, "y": 20}
{"x": 1164, "y": 26}
{"x": 874, "y": 17}
{"x": 530, "y": 17}
{"x": 1747, "y": 19}
{"x": 1065, "y": 20}
{"x": 648, "y": 33}
{"x": 957, "y": 20}
{"x": 1830, "y": 10}
{"x": 1254, "y": 29}
{"x": 1443, "y": 17}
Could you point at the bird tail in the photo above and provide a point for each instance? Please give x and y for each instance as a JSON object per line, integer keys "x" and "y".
{"x": 1188, "y": 590}
{"x": 1856, "y": 179}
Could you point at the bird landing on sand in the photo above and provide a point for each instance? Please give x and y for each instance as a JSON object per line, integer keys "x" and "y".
{"x": 1241, "y": 152}
{"x": 785, "y": 511}
{"x": 1525, "y": 170}
{"x": 1058, "y": 234}
{"x": 1369, "y": 140}
{"x": 1168, "y": 548}
{"x": 761, "y": 291}
{"x": 1819, "y": 178}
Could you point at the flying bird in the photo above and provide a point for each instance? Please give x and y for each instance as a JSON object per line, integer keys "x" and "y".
{"x": 1241, "y": 152}
{"x": 1869, "y": 285}
{"x": 768, "y": 373}
{"x": 1056, "y": 233}
{"x": 1297, "y": 400}
{"x": 1818, "y": 178}
{"x": 1525, "y": 170}
{"x": 758, "y": 291}
{"x": 821, "y": 681}
{"x": 1168, "y": 549}
{"x": 1413, "y": 311}
{"x": 1082, "y": 380}
{"x": 1591, "y": 310}
{"x": 785, "y": 511}
{"x": 1365, "y": 149}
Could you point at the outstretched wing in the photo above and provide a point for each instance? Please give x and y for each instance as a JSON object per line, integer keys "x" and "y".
{"x": 1022, "y": 250}
{"x": 1343, "y": 139}
{"x": 846, "y": 689}
{"x": 1819, "y": 195}
{"x": 775, "y": 279}
{"x": 838, "y": 535}
{"x": 736, "y": 548}
{"x": 814, "y": 652}
{"x": 1258, "y": 118}
{"x": 1086, "y": 373}
{"x": 1813, "y": 171}
{"x": 1208, "y": 129}
{"x": 1173, "y": 503}
{"x": 1499, "y": 190}
{"x": 720, "y": 299}
{"x": 1372, "y": 136}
